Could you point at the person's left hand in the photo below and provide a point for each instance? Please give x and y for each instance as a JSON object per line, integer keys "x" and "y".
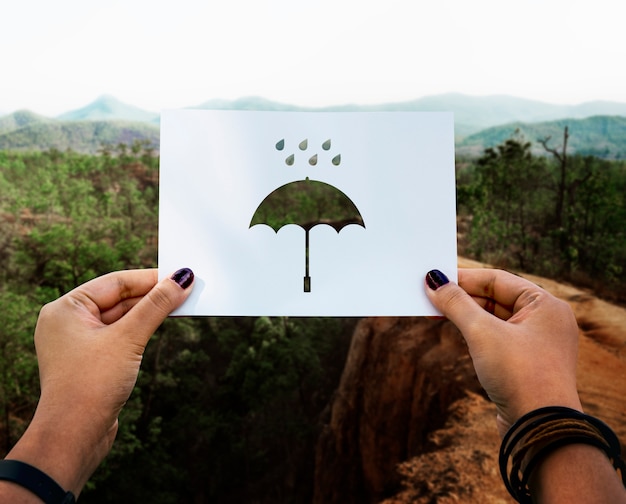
{"x": 90, "y": 344}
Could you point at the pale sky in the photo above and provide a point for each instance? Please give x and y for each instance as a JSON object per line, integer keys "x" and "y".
{"x": 60, "y": 55}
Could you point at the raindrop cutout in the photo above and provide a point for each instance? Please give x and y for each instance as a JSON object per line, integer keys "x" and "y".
{"x": 326, "y": 145}
{"x": 289, "y": 160}
{"x": 337, "y": 160}
{"x": 313, "y": 160}
{"x": 304, "y": 144}
{"x": 280, "y": 145}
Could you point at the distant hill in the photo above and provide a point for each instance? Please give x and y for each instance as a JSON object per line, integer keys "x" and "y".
{"x": 600, "y": 136}
{"x": 487, "y": 111}
{"x": 471, "y": 113}
{"x": 480, "y": 121}
{"x": 249, "y": 103}
{"x": 258, "y": 104}
{"x": 80, "y": 136}
{"x": 107, "y": 108}
{"x": 20, "y": 119}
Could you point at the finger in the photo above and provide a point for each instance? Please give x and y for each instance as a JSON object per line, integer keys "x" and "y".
{"x": 492, "y": 307}
{"x": 509, "y": 291}
{"x": 119, "y": 310}
{"x": 148, "y": 314}
{"x": 457, "y": 305}
{"x": 109, "y": 290}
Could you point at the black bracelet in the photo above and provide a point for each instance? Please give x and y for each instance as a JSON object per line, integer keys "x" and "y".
{"x": 541, "y": 431}
{"x": 38, "y": 482}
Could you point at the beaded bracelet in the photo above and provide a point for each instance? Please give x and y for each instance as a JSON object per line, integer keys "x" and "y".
{"x": 544, "y": 430}
{"x": 38, "y": 482}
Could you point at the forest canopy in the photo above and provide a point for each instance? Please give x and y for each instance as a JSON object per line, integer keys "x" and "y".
{"x": 556, "y": 215}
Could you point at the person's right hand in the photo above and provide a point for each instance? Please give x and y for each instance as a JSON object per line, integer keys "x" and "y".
{"x": 523, "y": 341}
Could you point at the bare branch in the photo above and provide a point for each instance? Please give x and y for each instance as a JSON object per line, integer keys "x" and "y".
{"x": 553, "y": 151}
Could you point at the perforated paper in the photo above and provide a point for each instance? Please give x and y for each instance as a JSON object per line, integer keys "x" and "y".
{"x": 307, "y": 213}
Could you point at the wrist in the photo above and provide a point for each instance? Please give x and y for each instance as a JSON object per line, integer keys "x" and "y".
{"x": 66, "y": 447}
{"x": 541, "y": 436}
{"x": 507, "y": 417}
{"x": 30, "y": 482}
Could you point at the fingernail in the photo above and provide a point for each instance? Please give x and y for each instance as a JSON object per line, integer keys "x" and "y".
{"x": 435, "y": 279}
{"x": 183, "y": 277}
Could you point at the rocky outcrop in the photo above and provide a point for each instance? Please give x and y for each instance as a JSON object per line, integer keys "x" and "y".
{"x": 410, "y": 423}
{"x": 460, "y": 464}
{"x": 400, "y": 378}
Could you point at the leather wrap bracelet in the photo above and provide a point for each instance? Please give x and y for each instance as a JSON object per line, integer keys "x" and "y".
{"x": 542, "y": 431}
{"x": 36, "y": 481}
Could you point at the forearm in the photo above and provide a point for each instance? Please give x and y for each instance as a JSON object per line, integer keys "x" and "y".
{"x": 576, "y": 473}
{"x": 65, "y": 447}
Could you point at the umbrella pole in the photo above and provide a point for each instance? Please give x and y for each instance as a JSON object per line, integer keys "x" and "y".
{"x": 307, "y": 278}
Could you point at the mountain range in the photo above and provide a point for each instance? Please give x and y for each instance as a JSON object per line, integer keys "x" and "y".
{"x": 597, "y": 127}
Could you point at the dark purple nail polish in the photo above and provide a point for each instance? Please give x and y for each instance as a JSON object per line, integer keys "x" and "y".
{"x": 435, "y": 279}
{"x": 183, "y": 277}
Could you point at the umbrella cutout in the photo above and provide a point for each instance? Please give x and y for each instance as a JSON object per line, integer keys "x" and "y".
{"x": 307, "y": 203}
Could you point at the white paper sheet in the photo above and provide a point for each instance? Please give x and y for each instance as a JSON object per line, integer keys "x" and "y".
{"x": 397, "y": 168}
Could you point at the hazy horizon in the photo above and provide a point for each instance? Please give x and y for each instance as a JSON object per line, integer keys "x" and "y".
{"x": 60, "y": 56}
{"x": 191, "y": 105}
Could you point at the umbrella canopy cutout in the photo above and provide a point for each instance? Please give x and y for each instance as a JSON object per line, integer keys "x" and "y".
{"x": 307, "y": 203}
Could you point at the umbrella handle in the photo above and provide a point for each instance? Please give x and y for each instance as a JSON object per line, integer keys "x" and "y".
{"x": 307, "y": 278}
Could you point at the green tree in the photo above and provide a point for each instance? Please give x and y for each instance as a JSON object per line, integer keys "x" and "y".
{"x": 507, "y": 196}
{"x": 19, "y": 388}
{"x": 560, "y": 216}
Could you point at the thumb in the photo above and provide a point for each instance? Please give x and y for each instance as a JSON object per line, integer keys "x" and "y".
{"x": 456, "y": 305}
{"x": 148, "y": 314}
